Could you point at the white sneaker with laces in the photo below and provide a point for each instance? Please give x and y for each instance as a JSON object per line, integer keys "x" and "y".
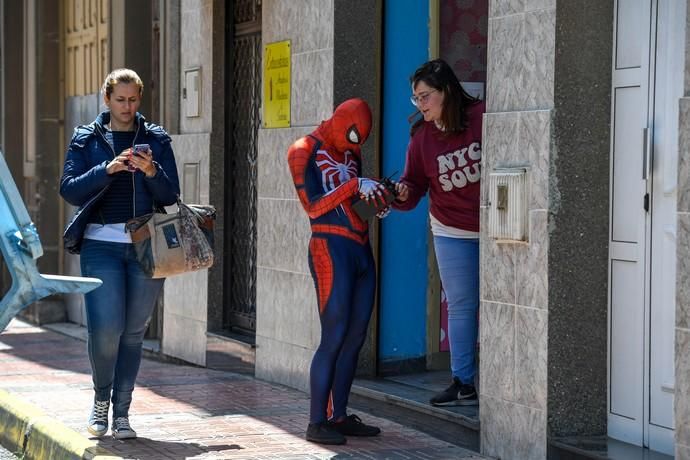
{"x": 98, "y": 420}
{"x": 121, "y": 429}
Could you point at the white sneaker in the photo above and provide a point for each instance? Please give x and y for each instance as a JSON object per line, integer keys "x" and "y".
{"x": 98, "y": 421}
{"x": 122, "y": 430}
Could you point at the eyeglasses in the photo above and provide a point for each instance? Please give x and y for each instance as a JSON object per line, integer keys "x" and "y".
{"x": 422, "y": 98}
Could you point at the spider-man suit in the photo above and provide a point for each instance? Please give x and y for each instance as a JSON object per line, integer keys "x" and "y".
{"x": 325, "y": 167}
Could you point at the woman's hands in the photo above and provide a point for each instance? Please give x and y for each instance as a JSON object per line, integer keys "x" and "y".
{"x": 403, "y": 192}
{"x": 143, "y": 161}
{"x": 128, "y": 161}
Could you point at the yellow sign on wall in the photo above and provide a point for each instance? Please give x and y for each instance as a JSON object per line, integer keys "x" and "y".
{"x": 276, "y": 79}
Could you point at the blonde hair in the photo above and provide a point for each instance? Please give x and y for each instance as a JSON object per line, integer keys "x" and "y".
{"x": 125, "y": 76}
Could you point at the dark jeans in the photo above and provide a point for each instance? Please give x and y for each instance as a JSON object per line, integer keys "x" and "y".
{"x": 117, "y": 314}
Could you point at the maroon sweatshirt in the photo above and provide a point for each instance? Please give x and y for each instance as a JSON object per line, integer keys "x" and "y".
{"x": 448, "y": 166}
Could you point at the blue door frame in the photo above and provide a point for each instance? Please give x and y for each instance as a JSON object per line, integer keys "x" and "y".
{"x": 403, "y": 244}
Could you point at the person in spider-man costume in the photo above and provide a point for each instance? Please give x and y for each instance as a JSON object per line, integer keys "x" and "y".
{"x": 326, "y": 167}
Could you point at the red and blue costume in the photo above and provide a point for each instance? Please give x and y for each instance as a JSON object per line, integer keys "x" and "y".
{"x": 326, "y": 169}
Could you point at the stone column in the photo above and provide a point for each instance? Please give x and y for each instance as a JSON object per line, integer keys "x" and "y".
{"x": 287, "y": 327}
{"x": 682, "y": 348}
{"x": 544, "y": 301}
{"x": 357, "y": 33}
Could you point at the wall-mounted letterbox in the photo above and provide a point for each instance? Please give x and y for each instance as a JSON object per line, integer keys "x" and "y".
{"x": 508, "y": 204}
{"x": 191, "y": 93}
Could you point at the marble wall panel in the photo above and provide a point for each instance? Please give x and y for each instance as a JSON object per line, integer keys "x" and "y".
{"x": 184, "y": 338}
{"x": 196, "y": 20}
{"x": 684, "y": 156}
{"x": 529, "y": 435}
{"x": 283, "y": 234}
{"x": 497, "y": 267}
{"x": 499, "y": 146}
{"x": 283, "y": 363}
{"x": 506, "y": 42}
{"x": 682, "y": 396}
{"x": 497, "y": 427}
{"x": 186, "y": 295}
{"x": 286, "y": 307}
{"x": 534, "y": 145}
{"x": 309, "y": 26}
{"x": 531, "y": 263}
{"x": 273, "y": 173}
{"x": 521, "y": 50}
{"x": 194, "y": 148}
{"x": 505, "y": 7}
{"x": 531, "y": 341}
{"x": 537, "y": 60}
{"x": 519, "y": 139}
{"x": 511, "y": 431}
{"x": 682, "y": 452}
{"x": 686, "y": 85}
{"x": 683, "y": 271}
{"x": 312, "y": 87}
{"x": 532, "y": 5}
{"x": 497, "y": 338}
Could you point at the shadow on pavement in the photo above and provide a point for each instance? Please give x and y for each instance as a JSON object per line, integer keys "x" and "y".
{"x": 150, "y": 449}
{"x": 58, "y": 363}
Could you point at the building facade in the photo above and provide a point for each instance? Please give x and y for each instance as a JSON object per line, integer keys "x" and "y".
{"x": 584, "y": 320}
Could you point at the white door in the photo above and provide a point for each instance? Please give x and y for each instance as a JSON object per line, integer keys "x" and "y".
{"x": 647, "y": 84}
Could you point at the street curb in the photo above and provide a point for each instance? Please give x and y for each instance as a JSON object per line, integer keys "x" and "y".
{"x": 29, "y": 433}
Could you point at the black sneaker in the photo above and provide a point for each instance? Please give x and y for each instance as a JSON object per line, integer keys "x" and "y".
{"x": 324, "y": 433}
{"x": 353, "y": 426}
{"x": 457, "y": 394}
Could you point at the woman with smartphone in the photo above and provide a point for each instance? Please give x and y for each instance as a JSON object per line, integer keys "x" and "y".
{"x": 126, "y": 164}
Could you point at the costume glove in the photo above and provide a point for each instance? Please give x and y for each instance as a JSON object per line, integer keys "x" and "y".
{"x": 369, "y": 188}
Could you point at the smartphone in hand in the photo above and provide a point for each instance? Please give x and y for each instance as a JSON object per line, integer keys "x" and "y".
{"x": 139, "y": 148}
{"x": 136, "y": 150}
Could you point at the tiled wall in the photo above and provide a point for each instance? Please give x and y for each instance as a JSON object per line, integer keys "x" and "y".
{"x": 287, "y": 331}
{"x": 514, "y": 290}
{"x": 682, "y": 396}
{"x": 185, "y": 296}
{"x": 196, "y": 22}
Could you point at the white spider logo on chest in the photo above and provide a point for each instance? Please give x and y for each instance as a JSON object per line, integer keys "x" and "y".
{"x": 334, "y": 173}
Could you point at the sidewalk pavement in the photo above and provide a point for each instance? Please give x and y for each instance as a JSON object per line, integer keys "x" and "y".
{"x": 179, "y": 412}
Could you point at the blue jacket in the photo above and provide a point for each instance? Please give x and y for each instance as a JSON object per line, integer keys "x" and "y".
{"x": 84, "y": 173}
{"x": 89, "y": 153}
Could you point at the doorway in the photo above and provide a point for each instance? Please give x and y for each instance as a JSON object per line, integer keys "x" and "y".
{"x": 647, "y": 84}
{"x": 412, "y": 319}
{"x": 245, "y": 67}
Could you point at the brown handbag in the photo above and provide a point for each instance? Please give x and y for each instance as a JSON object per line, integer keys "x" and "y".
{"x": 170, "y": 244}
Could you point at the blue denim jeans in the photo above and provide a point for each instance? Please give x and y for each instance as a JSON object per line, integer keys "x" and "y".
{"x": 117, "y": 314}
{"x": 458, "y": 265}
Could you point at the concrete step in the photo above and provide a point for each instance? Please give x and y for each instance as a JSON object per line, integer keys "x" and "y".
{"x": 599, "y": 448}
{"x": 405, "y": 399}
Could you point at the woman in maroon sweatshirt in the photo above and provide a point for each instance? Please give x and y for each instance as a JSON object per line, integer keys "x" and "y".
{"x": 443, "y": 159}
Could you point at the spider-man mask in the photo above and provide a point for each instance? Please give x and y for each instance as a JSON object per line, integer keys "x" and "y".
{"x": 349, "y": 126}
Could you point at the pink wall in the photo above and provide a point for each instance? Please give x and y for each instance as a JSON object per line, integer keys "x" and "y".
{"x": 463, "y": 33}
